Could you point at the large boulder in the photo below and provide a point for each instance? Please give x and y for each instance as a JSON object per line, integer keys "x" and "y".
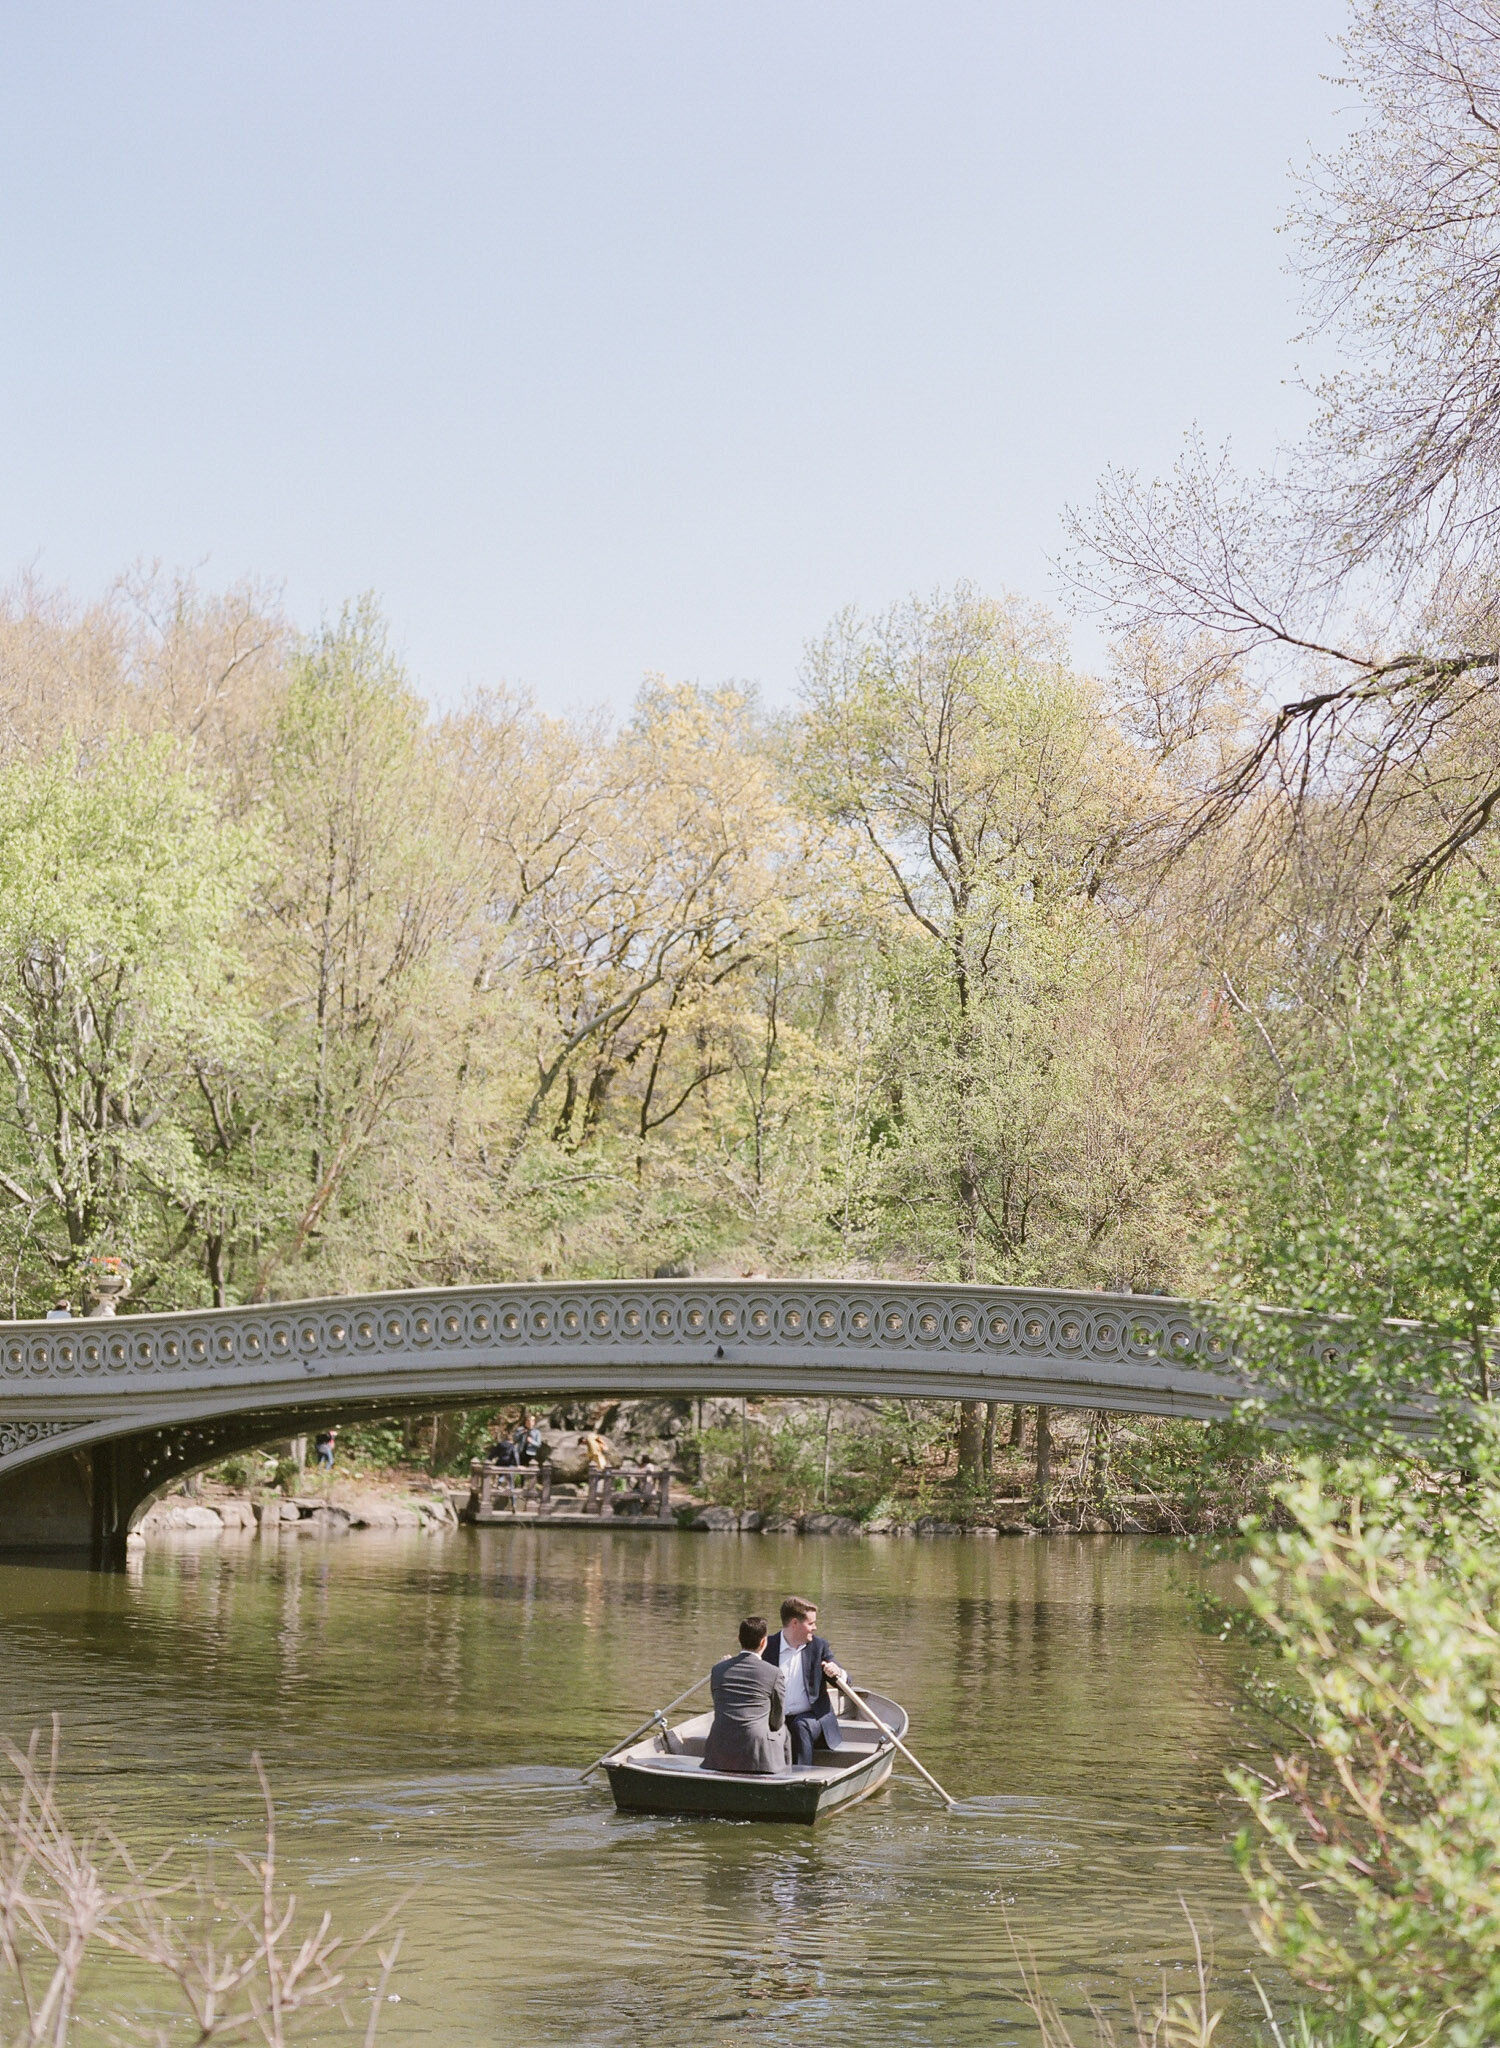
{"x": 178, "y": 1515}
{"x": 717, "y": 1521}
{"x": 373, "y": 1514}
{"x": 236, "y": 1514}
{"x": 563, "y": 1451}
{"x": 829, "y": 1525}
{"x": 327, "y": 1520}
{"x": 647, "y": 1422}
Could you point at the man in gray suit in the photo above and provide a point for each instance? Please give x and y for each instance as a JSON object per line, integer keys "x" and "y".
{"x": 749, "y": 1699}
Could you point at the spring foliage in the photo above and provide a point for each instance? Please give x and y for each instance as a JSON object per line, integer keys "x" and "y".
{"x": 303, "y": 989}
{"x": 1371, "y": 1854}
{"x": 1370, "y": 1183}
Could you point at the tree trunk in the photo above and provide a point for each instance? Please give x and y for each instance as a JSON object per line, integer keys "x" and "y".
{"x": 214, "y": 1254}
{"x": 970, "y": 1441}
{"x": 970, "y": 1413}
{"x": 1104, "y": 1430}
{"x": 991, "y": 1410}
{"x": 1017, "y": 1426}
{"x": 1043, "y": 1455}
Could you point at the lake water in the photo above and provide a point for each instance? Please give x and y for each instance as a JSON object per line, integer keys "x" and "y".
{"x": 423, "y": 1705}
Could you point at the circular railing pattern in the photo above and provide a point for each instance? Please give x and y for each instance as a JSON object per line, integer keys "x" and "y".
{"x": 16, "y": 1436}
{"x": 699, "y": 1321}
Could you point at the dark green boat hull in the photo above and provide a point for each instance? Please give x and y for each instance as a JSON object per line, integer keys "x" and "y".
{"x": 646, "y": 1782}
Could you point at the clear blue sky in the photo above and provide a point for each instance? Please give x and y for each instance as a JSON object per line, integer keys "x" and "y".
{"x": 602, "y": 338}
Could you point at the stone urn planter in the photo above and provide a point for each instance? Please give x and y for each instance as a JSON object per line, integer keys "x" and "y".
{"x": 106, "y": 1283}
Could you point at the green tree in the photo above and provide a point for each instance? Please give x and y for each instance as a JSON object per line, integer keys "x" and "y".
{"x": 122, "y": 983}
{"x": 1371, "y": 1179}
{"x": 357, "y": 906}
{"x": 991, "y": 801}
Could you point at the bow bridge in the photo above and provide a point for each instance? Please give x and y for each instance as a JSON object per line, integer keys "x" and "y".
{"x": 97, "y": 1415}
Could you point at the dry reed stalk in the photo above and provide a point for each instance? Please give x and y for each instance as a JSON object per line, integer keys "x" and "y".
{"x": 245, "y": 1968}
{"x": 1175, "y": 2022}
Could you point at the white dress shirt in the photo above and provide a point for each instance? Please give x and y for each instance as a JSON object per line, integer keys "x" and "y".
{"x": 794, "y": 1663}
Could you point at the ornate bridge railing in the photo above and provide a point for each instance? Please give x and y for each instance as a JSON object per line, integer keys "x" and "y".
{"x": 68, "y": 1385}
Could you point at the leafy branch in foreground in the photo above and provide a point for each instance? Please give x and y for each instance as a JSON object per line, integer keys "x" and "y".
{"x": 83, "y": 1924}
{"x": 1371, "y": 1852}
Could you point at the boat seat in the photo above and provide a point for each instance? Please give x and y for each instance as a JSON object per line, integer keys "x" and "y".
{"x": 675, "y": 1745}
{"x": 695, "y": 1763}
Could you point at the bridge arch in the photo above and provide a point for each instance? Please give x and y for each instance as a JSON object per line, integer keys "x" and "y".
{"x": 97, "y": 1414}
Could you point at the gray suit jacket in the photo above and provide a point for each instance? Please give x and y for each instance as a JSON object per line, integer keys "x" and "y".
{"x": 748, "y": 1714}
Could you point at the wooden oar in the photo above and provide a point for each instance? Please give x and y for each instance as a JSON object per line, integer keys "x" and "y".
{"x": 891, "y": 1736}
{"x": 649, "y": 1722}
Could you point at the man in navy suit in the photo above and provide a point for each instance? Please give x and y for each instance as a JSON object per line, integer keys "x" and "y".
{"x": 807, "y": 1664}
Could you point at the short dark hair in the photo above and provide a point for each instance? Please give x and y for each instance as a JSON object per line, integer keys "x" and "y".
{"x": 793, "y": 1609}
{"x": 753, "y": 1632}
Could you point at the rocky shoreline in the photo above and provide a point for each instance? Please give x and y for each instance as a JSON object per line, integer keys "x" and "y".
{"x": 433, "y": 1507}
{"x": 1124, "y": 1515}
{"x": 336, "y": 1512}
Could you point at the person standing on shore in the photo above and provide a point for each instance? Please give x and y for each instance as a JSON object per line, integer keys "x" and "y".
{"x": 805, "y": 1661}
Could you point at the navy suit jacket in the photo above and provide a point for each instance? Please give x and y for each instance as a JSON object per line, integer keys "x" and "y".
{"x": 815, "y": 1653}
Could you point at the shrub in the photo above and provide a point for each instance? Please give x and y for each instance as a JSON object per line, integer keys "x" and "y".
{"x": 1230, "y": 1466}
{"x": 778, "y": 1464}
{"x": 1373, "y": 1854}
{"x": 371, "y": 1443}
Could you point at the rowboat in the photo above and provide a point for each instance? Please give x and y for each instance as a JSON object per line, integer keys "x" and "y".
{"x": 664, "y": 1773}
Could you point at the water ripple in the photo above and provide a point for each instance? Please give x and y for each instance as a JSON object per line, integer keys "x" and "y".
{"x": 424, "y": 1713}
